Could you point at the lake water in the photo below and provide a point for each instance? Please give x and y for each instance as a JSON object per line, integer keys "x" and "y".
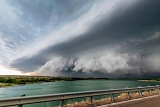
{"x": 68, "y": 86}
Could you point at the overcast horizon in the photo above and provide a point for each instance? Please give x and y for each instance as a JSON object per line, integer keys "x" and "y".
{"x": 81, "y": 38}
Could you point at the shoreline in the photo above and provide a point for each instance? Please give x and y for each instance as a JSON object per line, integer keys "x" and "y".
{"x": 149, "y": 80}
{"x": 14, "y": 85}
{"x": 4, "y": 85}
{"x": 14, "y": 80}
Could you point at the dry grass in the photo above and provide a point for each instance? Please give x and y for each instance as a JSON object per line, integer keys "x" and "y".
{"x": 155, "y": 92}
{"x": 121, "y": 97}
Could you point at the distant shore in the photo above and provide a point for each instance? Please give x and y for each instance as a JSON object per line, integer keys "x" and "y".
{"x": 7, "y": 85}
{"x": 15, "y": 80}
{"x": 153, "y": 80}
{"x": 7, "y": 80}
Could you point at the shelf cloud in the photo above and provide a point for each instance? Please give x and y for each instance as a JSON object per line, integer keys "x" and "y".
{"x": 75, "y": 37}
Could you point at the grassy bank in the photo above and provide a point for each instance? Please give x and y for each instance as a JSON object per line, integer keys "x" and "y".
{"x": 21, "y": 80}
{"x": 5, "y": 84}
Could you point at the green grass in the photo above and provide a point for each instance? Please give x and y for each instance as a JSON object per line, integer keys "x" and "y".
{"x": 20, "y": 80}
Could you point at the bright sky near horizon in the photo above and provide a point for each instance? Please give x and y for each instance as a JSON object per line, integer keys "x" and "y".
{"x": 7, "y": 71}
{"x": 100, "y": 38}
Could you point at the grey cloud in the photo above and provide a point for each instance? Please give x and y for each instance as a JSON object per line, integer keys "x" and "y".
{"x": 115, "y": 65}
{"x": 52, "y": 13}
{"x": 152, "y": 63}
{"x": 137, "y": 21}
{"x": 109, "y": 63}
{"x": 27, "y": 21}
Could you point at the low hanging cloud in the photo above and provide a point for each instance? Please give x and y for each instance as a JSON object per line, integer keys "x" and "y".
{"x": 109, "y": 63}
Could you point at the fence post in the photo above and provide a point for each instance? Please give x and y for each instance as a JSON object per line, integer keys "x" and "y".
{"x": 62, "y": 103}
{"x": 150, "y": 91}
{"x": 127, "y": 93}
{"x": 21, "y": 104}
{"x": 140, "y": 93}
{"x": 112, "y": 97}
{"x": 91, "y": 99}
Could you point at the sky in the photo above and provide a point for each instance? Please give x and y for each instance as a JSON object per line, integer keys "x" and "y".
{"x": 80, "y": 38}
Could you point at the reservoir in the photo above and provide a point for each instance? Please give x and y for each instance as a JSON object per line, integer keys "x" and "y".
{"x": 68, "y": 86}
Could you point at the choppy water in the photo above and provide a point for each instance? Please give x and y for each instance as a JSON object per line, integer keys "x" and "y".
{"x": 68, "y": 86}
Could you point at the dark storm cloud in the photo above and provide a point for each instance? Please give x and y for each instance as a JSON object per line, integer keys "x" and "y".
{"x": 23, "y": 23}
{"x": 137, "y": 21}
{"x": 46, "y": 17}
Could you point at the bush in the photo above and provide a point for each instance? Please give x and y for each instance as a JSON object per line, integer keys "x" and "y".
{"x": 2, "y": 79}
{"x": 20, "y": 82}
{"x": 9, "y": 80}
